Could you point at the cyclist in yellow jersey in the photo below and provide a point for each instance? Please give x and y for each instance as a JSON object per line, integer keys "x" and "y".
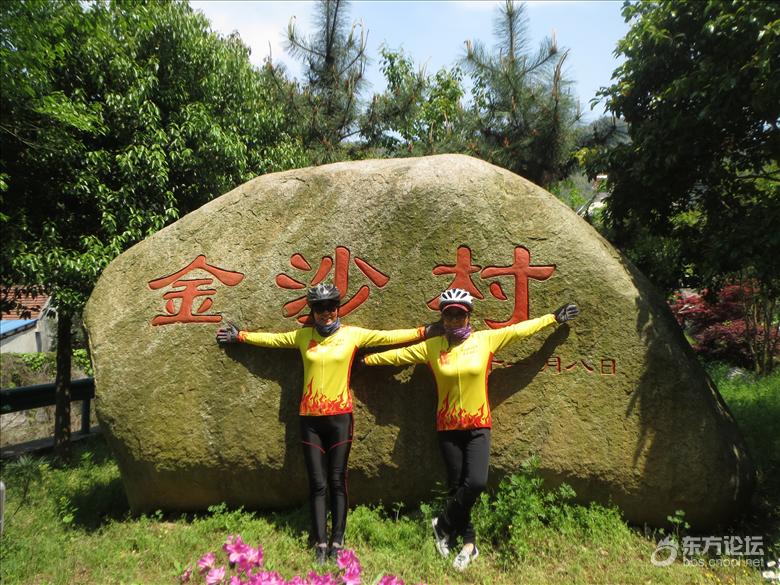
{"x": 327, "y": 349}
{"x": 460, "y": 360}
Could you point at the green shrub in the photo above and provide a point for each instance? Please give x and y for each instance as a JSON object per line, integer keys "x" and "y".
{"x": 27, "y": 369}
{"x": 521, "y": 515}
{"x": 82, "y": 361}
{"x": 519, "y": 508}
{"x": 37, "y": 362}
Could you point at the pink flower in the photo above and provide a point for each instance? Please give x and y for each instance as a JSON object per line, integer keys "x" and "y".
{"x": 326, "y": 579}
{"x": 234, "y": 547}
{"x": 215, "y": 576}
{"x": 185, "y": 576}
{"x": 390, "y": 580}
{"x": 347, "y": 560}
{"x": 351, "y": 575}
{"x": 297, "y": 580}
{"x": 206, "y": 562}
{"x": 250, "y": 558}
{"x": 346, "y": 557}
{"x": 267, "y": 578}
{"x": 234, "y": 580}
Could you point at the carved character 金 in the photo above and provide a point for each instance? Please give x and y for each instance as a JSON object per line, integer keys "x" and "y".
{"x": 188, "y": 291}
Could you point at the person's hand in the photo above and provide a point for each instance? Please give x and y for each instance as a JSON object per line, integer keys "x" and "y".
{"x": 227, "y": 334}
{"x": 434, "y": 329}
{"x": 359, "y": 364}
{"x": 566, "y": 312}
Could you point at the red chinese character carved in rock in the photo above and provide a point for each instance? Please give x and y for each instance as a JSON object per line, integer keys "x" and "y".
{"x": 521, "y": 270}
{"x": 586, "y": 365}
{"x": 189, "y": 291}
{"x": 340, "y": 279}
{"x": 553, "y": 362}
{"x": 462, "y": 269}
{"x": 608, "y": 367}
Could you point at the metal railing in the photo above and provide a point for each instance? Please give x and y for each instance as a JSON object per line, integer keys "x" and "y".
{"x": 28, "y": 397}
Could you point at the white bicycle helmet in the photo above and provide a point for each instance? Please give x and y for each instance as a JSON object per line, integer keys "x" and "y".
{"x": 456, "y": 297}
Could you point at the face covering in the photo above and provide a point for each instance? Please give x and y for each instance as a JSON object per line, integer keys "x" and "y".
{"x": 326, "y": 330}
{"x": 459, "y": 334}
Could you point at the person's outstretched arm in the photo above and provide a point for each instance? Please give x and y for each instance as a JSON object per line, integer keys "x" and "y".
{"x": 374, "y": 337}
{"x": 502, "y": 337}
{"x": 414, "y": 354}
{"x": 231, "y": 334}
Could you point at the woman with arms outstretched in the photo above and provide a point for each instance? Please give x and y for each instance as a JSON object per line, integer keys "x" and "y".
{"x": 460, "y": 360}
{"x": 327, "y": 350}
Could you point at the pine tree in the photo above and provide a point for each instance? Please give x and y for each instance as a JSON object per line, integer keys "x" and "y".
{"x": 525, "y": 113}
{"x": 335, "y": 61}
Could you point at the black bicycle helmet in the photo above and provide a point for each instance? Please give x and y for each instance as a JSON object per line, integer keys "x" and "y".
{"x": 323, "y": 293}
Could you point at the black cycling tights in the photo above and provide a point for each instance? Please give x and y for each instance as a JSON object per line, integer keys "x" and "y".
{"x": 326, "y": 444}
{"x": 466, "y": 455}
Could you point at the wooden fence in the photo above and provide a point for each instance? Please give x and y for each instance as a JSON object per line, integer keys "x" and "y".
{"x": 28, "y": 397}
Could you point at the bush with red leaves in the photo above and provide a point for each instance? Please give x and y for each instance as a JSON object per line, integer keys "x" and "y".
{"x": 718, "y": 327}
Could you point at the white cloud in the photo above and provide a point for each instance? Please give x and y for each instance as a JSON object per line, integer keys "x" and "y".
{"x": 262, "y": 26}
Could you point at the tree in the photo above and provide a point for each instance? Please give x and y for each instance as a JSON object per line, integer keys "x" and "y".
{"x": 525, "y": 112}
{"x": 699, "y": 90}
{"x": 724, "y": 326}
{"x": 418, "y": 113}
{"x": 335, "y": 61}
{"x": 117, "y": 118}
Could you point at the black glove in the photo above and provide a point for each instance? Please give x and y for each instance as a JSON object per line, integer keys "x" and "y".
{"x": 434, "y": 329}
{"x": 227, "y": 334}
{"x": 566, "y": 313}
{"x": 359, "y": 363}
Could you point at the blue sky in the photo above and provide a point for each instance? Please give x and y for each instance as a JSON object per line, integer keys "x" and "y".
{"x": 433, "y": 33}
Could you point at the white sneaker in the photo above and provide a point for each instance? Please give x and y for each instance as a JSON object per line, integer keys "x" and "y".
{"x": 441, "y": 538}
{"x": 463, "y": 559}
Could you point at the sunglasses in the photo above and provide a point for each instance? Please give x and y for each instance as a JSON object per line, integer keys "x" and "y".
{"x": 454, "y": 314}
{"x": 324, "y": 307}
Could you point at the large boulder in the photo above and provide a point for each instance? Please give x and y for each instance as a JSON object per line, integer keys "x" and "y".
{"x": 614, "y": 404}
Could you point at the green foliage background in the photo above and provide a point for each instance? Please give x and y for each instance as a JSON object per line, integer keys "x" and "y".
{"x": 117, "y": 118}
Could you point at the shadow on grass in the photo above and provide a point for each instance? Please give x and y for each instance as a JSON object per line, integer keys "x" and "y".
{"x": 88, "y": 489}
{"x": 99, "y": 504}
{"x": 295, "y": 522}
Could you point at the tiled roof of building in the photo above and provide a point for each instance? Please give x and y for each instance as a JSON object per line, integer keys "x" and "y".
{"x": 28, "y": 306}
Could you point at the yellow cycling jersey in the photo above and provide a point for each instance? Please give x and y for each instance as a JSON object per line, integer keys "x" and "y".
{"x": 327, "y": 361}
{"x": 461, "y": 371}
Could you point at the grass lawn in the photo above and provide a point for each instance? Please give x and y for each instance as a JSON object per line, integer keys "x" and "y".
{"x": 72, "y": 526}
